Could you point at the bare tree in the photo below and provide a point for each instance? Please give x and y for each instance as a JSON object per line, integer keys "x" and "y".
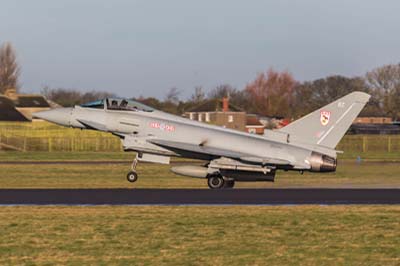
{"x": 311, "y": 95}
{"x": 9, "y": 68}
{"x": 172, "y": 95}
{"x": 238, "y": 98}
{"x": 385, "y": 78}
{"x": 71, "y": 97}
{"x": 272, "y": 93}
{"x": 198, "y": 95}
{"x": 384, "y": 84}
{"x": 95, "y": 95}
{"x": 221, "y": 91}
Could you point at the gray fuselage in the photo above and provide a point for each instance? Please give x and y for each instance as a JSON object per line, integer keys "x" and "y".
{"x": 160, "y": 125}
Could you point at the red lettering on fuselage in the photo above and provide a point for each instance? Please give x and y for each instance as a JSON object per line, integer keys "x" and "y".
{"x": 162, "y": 126}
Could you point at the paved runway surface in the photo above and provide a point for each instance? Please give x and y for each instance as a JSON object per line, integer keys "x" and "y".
{"x": 198, "y": 196}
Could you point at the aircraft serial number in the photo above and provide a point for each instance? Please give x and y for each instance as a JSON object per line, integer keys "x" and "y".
{"x": 162, "y": 126}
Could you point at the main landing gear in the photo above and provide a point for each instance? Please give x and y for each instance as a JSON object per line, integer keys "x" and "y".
{"x": 132, "y": 176}
{"x": 219, "y": 182}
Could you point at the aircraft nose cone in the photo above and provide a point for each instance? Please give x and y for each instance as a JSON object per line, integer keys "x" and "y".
{"x": 59, "y": 116}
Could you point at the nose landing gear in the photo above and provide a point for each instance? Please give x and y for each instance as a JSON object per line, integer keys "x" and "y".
{"x": 132, "y": 176}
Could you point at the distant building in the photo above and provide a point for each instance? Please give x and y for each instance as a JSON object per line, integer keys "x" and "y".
{"x": 20, "y": 107}
{"x": 379, "y": 129}
{"x": 218, "y": 112}
{"x": 373, "y": 120}
{"x": 374, "y": 125}
{"x": 222, "y": 113}
{"x": 253, "y": 125}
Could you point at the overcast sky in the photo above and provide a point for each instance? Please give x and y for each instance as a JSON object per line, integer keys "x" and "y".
{"x": 144, "y": 47}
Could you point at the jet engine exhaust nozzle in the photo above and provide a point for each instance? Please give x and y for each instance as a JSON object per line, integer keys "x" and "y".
{"x": 322, "y": 163}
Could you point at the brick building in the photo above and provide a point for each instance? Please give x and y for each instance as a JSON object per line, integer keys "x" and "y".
{"x": 373, "y": 120}
{"x": 218, "y": 112}
{"x": 253, "y": 125}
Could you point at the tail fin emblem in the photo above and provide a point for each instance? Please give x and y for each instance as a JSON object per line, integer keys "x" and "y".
{"x": 324, "y": 117}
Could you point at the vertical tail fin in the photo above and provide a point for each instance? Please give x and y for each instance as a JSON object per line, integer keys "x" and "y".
{"x": 327, "y": 125}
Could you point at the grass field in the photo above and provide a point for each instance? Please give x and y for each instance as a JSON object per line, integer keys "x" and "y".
{"x": 193, "y": 235}
{"x": 291, "y": 235}
{"x": 113, "y": 175}
{"x": 11, "y": 156}
{"x": 376, "y": 170}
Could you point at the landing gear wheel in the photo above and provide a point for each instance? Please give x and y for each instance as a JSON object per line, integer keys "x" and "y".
{"x": 215, "y": 182}
{"x": 132, "y": 176}
{"x": 229, "y": 183}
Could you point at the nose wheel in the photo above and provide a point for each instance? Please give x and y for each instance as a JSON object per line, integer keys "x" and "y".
{"x": 132, "y": 176}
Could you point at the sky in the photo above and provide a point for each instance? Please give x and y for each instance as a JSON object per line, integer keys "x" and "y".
{"x": 144, "y": 47}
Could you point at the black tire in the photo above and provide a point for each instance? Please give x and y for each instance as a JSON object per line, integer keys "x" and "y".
{"x": 229, "y": 183}
{"x": 216, "y": 182}
{"x": 132, "y": 177}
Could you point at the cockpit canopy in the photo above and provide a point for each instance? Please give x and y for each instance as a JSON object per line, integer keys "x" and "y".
{"x": 118, "y": 105}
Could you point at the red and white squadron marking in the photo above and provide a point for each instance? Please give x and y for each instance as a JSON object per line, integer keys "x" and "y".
{"x": 162, "y": 126}
{"x": 324, "y": 117}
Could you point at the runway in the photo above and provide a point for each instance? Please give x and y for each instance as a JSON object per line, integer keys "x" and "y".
{"x": 197, "y": 196}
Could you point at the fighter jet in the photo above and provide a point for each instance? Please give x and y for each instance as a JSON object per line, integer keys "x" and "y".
{"x": 307, "y": 144}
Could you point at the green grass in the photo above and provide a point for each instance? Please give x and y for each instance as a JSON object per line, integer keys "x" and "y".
{"x": 103, "y": 175}
{"x": 15, "y": 156}
{"x": 132, "y": 235}
{"x": 372, "y": 172}
{"x": 65, "y": 156}
{"x": 371, "y": 156}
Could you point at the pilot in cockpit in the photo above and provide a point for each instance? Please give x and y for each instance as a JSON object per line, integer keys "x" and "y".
{"x": 114, "y": 104}
{"x": 123, "y": 104}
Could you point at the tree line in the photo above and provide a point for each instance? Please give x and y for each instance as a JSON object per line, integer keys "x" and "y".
{"x": 271, "y": 93}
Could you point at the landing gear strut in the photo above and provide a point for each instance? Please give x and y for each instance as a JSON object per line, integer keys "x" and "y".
{"x": 132, "y": 176}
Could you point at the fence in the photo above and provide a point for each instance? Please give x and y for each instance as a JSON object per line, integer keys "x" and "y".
{"x": 43, "y": 136}
{"x": 370, "y": 143}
